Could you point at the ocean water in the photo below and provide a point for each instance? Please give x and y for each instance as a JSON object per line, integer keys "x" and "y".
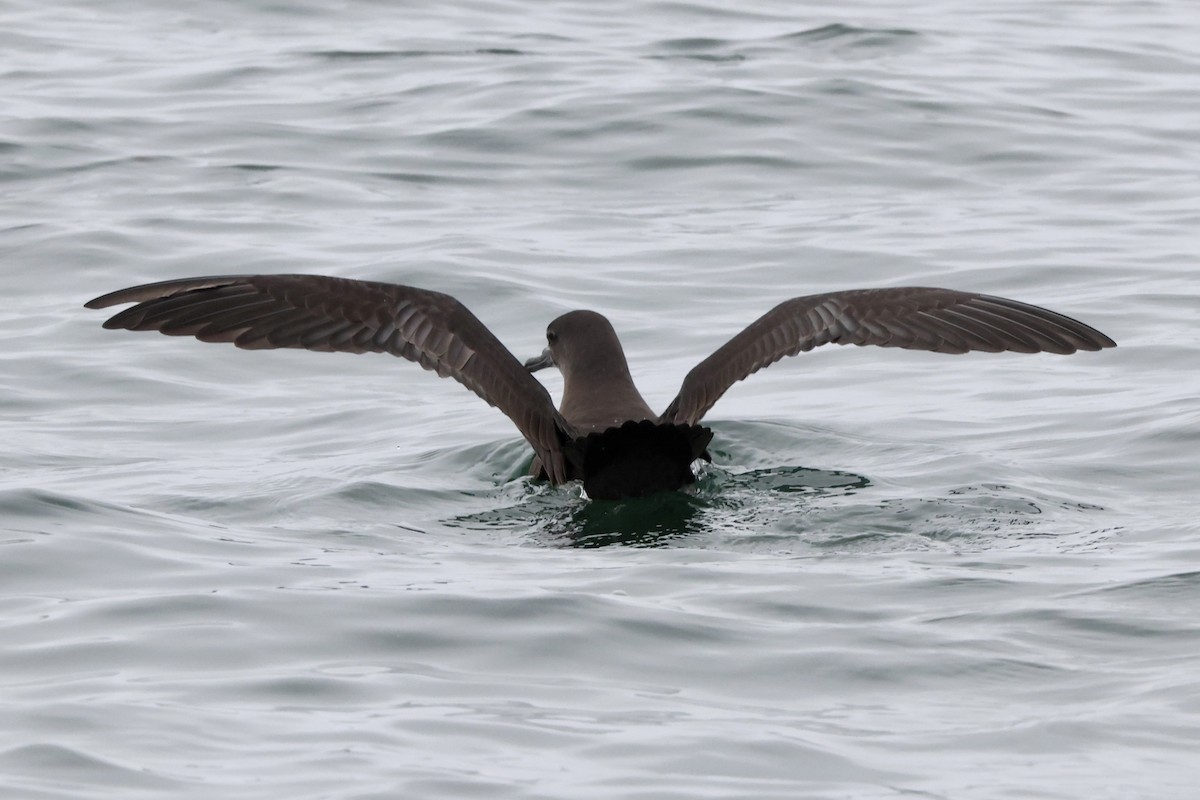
{"x": 288, "y": 574}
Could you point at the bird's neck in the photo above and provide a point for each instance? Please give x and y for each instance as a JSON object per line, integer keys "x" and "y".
{"x": 596, "y": 400}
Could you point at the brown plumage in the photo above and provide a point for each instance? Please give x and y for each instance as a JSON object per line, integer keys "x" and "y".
{"x": 910, "y": 317}
{"x": 605, "y": 428}
{"x": 314, "y": 312}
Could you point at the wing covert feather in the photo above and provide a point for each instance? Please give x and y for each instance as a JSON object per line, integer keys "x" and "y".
{"x": 324, "y": 314}
{"x": 913, "y": 318}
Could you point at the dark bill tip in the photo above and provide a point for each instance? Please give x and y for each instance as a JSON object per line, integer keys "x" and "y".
{"x": 539, "y": 362}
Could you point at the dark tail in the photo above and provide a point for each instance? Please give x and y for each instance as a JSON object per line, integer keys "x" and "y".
{"x": 638, "y": 458}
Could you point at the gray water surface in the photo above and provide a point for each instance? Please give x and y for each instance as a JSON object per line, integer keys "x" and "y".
{"x": 286, "y": 574}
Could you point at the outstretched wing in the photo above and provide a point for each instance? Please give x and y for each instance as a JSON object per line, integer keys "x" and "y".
{"x": 314, "y": 312}
{"x": 914, "y": 318}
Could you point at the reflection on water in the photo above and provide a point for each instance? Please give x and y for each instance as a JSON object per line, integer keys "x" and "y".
{"x": 720, "y": 501}
{"x": 790, "y": 509}
{"x": 651, "y": 521}
{"x": 791, "y": 480}
{"x": 715, "y": 503}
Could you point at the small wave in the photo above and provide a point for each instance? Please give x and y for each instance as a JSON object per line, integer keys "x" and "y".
{"x": 863, "y": 37}
{"x": 388, "y": 55}
{"x": 71, "y": 766}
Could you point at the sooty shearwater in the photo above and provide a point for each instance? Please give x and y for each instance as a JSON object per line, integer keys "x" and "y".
{"x": 603, "y": 433}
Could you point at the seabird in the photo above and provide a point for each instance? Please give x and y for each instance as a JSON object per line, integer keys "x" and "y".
{"x": 604, "y": 433}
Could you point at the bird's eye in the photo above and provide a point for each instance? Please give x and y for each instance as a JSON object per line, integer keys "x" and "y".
{"x": 551, "y": 337}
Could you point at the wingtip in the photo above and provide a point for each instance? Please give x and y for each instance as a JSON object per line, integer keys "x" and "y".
{"x": 1093, "y": 339}
{"x": 154, "y": 291}
{"x": 131, "y": 294}
{"x": 104, "y": 300}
